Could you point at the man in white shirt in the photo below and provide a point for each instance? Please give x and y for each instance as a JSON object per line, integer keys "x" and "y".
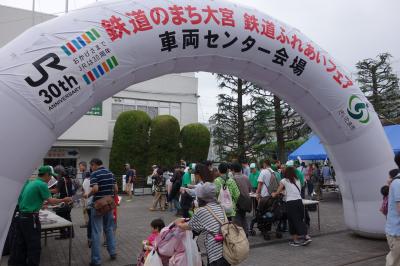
{"x": 264, "y": 180}
{"x": 84, "y": 176}
{"x": 86, "y": 209}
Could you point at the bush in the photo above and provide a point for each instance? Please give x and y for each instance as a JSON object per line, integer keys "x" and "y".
{"x": 195, "y": 140}
{"x": 130, "y": 142}
{"x": 164, "y": 141}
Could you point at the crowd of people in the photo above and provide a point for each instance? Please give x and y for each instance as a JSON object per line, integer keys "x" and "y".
{"x": 227, "y": 190}
{"x": 59, "y": 188}
{"x": 167, "y": 183}
{"x": 205, "y": 195}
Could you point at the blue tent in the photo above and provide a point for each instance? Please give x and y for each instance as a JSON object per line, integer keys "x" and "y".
{"x": 312, "y": 149}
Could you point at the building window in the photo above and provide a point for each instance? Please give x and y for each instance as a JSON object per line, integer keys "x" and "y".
{"x": 152, "y": 108}
{"x": 116, "y": 110}
{"x": 152, "y": 111}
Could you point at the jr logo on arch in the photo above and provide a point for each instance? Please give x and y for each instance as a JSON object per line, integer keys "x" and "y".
{"x": 57, "y": 90}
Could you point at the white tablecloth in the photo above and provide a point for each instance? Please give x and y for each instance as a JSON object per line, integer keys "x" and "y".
{"x": 60, "y": 222}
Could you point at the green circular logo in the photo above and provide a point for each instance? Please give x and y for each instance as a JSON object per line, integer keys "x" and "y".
{"x": 358, "y": 109}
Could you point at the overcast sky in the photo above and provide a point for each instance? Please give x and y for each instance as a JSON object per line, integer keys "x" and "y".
{"x": 350, "y": 30}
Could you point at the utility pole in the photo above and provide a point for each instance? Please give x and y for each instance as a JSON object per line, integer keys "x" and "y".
{"x": 66, "y": 6}
{"x": 33, "y": 12}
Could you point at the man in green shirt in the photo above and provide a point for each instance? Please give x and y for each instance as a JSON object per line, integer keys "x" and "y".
{"x": 224, "y": 181}
{"x": 34, "y": 193}
{"x": 253, "y": 177}
{"x": 300, "y": 176}
{"x": 187, "y": 176}
{"x": 186, "y": 199}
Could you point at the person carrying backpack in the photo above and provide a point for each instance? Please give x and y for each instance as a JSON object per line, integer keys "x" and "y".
{"x": 226, "y": 244}
{"x": 227, "y": 191}
{"x": 244, "y": 203}
{"x": 267, "y": 182}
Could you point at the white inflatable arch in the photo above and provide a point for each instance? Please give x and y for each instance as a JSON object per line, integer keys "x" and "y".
{"x": 51, "y": 75}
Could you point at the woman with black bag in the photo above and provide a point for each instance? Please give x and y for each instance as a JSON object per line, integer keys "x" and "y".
{"x": 173, "y": 196}
{"x": 295, "y": 208}
{"x": 65, "y": 188}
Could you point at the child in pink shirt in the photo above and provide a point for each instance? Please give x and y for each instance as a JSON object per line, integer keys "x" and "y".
{"x": 156, "y": 225}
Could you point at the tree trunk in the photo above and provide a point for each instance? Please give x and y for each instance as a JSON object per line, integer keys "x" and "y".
{"x": 280, "y": 140}
{"x": 241, "y": 137}
{"x": 375, "y": 93}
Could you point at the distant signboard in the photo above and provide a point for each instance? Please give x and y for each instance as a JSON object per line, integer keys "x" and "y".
{"x": 96, "y": 110}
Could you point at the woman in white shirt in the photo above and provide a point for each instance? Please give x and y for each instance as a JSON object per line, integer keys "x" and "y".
{"x": 290, "y": 186}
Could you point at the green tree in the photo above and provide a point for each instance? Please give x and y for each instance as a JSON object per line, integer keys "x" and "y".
{"x": 249, "y": 118}
{"x": 288, "y": 127}
{"x": 380, "y": 85}
{"x": 240, "y": 123}
{"x": 164, "y": 141}
{"x": 270, "y": 150}
{"x": 285, "y": 125}
{"x": 130, "y": 142}
{"x": 195, "y": 141}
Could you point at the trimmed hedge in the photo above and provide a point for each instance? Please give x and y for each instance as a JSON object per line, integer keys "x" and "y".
{"x": 164, "y": 141}
{"x": 195, "y": 139}
{"x": 130, "y": 142}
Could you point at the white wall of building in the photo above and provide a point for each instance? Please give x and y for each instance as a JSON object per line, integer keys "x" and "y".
{"x": 14, "y": 21}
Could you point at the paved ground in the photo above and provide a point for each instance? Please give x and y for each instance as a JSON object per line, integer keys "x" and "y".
{"x": 334, "y": 245}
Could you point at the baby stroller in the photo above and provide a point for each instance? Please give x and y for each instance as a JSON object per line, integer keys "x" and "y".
{"x": 270, "y": 212}
{"x": 174, "y": 247}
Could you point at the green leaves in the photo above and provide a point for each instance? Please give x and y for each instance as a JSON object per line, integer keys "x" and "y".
{"x": 195, "y": 140}
{"x": 380, "y": 85}
{"x": 130, "y": 142}
{"x": 164, "y": 141}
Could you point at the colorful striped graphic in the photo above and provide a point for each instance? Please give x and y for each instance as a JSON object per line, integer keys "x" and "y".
{"x": 81, "y": 41}
{"x": 100, "y": 70}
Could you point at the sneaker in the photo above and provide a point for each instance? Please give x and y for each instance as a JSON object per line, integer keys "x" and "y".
{"x": 113, "y": 257}
{"x": 307, "y": 240}
{"x": 295, "y": 243}
{"x": 128, "y": 200}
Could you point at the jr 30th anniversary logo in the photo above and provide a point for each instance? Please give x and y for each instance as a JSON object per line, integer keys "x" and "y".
{"x": 53, "y": 93}
{"x": 89, "y": 55}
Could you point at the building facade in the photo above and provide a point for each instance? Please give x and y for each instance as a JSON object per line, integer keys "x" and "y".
{"x": 92, "y": 135}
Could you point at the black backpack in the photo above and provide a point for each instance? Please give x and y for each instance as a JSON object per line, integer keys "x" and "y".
{"x": 244, "y": 202}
